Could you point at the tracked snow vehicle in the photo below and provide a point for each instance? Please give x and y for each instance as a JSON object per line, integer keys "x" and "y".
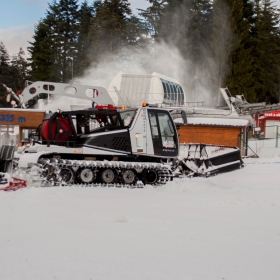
{"x": 103, "y": 145}
{"x": 113, "y": 147}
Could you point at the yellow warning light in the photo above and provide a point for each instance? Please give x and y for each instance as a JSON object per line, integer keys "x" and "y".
{"x": 123, "y": 107}
{"x": 144, "y": 104}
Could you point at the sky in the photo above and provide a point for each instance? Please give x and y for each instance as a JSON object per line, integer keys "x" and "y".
{"x": 18, "y": 17}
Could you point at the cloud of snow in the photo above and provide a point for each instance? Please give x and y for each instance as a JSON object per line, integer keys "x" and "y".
{"x": 200, "y": 82}
{"x": 160, "y": 58}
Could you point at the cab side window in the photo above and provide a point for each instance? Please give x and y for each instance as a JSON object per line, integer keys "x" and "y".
{"x": 153, "y": 123}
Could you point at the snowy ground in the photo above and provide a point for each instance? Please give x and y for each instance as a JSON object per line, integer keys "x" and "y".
{"x": 223, "y": 227}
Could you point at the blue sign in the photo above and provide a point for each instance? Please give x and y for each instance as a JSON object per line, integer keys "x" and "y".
{"x": 11, "y": 118}
{"x": 21, "y": 119}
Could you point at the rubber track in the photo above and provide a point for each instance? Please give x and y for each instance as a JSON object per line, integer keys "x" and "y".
{"x": 55, "y": 165}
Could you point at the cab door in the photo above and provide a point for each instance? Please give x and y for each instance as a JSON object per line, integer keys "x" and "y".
{"x": 163, "y": 133}
{"x": 138, "y": 132}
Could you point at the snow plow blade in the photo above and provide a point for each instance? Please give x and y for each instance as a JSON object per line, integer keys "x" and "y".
{"x": 205, "y": 160}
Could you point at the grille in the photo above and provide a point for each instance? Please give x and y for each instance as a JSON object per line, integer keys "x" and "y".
{"x": 120, "y": 143}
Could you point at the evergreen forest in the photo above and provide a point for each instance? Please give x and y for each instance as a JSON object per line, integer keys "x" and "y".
{"x": 207, "y": 44}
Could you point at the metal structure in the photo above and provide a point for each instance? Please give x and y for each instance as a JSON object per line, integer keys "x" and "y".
{"x": 243, "y": 108}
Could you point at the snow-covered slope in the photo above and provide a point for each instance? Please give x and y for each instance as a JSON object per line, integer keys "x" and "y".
{"x": 222, "y": 227}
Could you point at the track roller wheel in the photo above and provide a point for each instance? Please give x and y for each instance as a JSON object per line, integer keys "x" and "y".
{"x": 86, "y": 175}
{"x": 149, "y": 176}
{"x": 108, "y": 176}
{"x": 67, "y": 175}
{"x": 128, "y": 176}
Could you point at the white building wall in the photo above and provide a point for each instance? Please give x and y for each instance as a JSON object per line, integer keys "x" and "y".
{"x": 271, "y": 128}
{"x": 135, "y": 89}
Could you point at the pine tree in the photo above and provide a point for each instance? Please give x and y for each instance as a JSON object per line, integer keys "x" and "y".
{"x": 153, "y": 16}
{"x": 110, "y": 26}
{"x": 4, "y": 55}
{"x": 62, "y": 18}
{"x": 240, "y": 60}
{"x": 55, "y": 42}
{"x": 4, "y": 72}
{"x": 42, "y": 55}
{"x": 84, "y": 41}
{"x": 21, "y": 65}
{"x": 267, "y": 52}
{"x": 220, "y": 42}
